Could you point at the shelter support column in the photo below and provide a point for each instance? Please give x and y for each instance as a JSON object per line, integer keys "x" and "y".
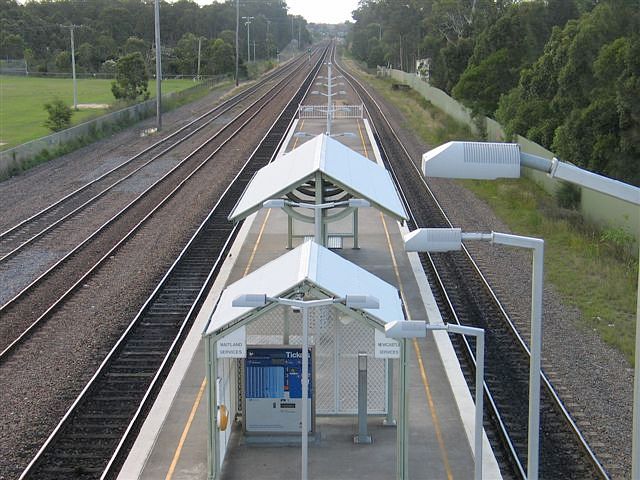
{"x": 389, "y": 421}
{"x": 213, "y": 457}
{"x": 402, "y": 435}
{"x": 356, "y": 246}
{"x": 319, "y": 212}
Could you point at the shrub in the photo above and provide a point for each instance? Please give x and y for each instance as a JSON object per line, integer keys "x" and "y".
{"x": 568, "y": 196}
{"x": 59, "y": 115}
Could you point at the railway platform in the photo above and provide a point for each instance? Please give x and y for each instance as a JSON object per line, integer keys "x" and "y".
{"x": 172, "y": 443}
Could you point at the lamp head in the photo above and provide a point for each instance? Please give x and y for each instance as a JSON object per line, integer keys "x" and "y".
{"x": 433, "y": 240}
{"x": 476, "y": 160}
{"x": 359, "y": 203}
{"x": 362, "y": 302}
{"x": 274, "y": 203}
{"x": 406, "y": 329}
{"x": 250, "y": 300}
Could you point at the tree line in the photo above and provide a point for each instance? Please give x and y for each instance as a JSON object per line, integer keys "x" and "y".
{"x": 105, "y": 30}
{"x": 564, "y": 73}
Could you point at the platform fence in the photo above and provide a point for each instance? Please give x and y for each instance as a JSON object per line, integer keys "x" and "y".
{"x": 338, "y": 111}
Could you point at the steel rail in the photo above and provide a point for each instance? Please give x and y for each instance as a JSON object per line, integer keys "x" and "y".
{"x": 440, "y": 284}
{"x": 112, "y": 463}
{"x": 276, "y": 90}
{"x": 217, "y": 112}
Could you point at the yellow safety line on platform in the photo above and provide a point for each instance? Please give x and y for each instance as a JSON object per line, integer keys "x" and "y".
{"x": 187, "y": 427}
{"x": 196, "y": 403}
{"x": 423, "y": 372}
{"x": 255, "y": 247}
{"x": 295, "y": 142}
{"x": 364, "y": 144}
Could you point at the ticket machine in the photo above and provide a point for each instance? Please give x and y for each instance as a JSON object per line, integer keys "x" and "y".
{"x": 272, "y": 384}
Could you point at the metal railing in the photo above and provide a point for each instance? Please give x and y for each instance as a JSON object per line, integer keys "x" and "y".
{"x": 338, "y": 111}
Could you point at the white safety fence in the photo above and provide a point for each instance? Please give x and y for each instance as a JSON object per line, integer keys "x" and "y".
{"x": 336, "y": 341}
{"x": 338, "y": 111}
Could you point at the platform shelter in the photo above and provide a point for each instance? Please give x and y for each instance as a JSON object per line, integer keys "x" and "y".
{"x": 343, "y": 174}
{"x": 337, "y": 335}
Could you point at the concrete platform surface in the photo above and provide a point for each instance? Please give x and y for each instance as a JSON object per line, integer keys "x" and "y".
{"x": 173, "y": 442}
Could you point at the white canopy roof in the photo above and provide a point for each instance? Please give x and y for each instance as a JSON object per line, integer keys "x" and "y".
{"x": 338, "y": 163}
{"x": 315, "y": 265}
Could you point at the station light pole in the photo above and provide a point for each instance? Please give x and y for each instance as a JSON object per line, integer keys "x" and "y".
{"x": 468, "y": 160}
{"x": 359, "y": 302}
{"x": 329, "y": 95}
{"x": 450, "y": 239}
{"x": 418, "y": 328}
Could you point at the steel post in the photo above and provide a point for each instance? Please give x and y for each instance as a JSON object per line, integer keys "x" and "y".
{"x": 73, "y": 70}
{"x": 362, "y": 436}
{"x": 635, "y": 444}
{"x": 156, "y": 11}
{"x": 305, "y": 392}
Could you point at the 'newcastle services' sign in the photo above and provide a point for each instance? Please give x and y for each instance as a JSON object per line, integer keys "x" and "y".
{"x": 386, "y": 347}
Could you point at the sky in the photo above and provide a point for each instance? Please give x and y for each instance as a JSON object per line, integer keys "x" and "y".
{"x": 323, "y": 11}
{"x": 318, "y": 11}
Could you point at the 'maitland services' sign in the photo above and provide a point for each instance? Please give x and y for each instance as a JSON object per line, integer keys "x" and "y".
{"x": 233, "y": 345}
{"x": 386, "y": 347}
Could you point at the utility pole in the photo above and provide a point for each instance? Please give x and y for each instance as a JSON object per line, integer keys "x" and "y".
{"x": 73, "y": 64}
{"x": 268, "y": 40}
{"x": 298, "y": 34}
{"x": 237, "y": 42}
{"x": 199, "y": 47}
{"x": 248, "y": 23}
{"x": 158, "y": 65}
{"x": 254, "y": 50}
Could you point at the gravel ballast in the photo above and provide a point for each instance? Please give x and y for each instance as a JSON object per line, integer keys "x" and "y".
{"x": 594, "y": 380}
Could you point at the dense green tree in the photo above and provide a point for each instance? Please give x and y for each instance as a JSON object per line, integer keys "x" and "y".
{"x": 63, "y": 61}
{"x": 86, "y": 57}
{"x": 222, "y": 57}
{"x": 520, "y": 34}
{"x": 185, "y": 55}
{"x": 580, "y": 98}
{"x": 132, "y": 78}
{"x": 135, "y": 44}
{"x": 107, "y": 25}
{"x": 480, "y": 86}
{"x": 11, "y": 46}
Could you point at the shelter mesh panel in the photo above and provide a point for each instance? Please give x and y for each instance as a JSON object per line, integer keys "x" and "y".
{"x": 336, "y": 348}
{"x": 355, "y": 337}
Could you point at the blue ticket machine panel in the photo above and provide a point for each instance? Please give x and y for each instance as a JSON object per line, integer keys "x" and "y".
{"x": 273, "y": 390}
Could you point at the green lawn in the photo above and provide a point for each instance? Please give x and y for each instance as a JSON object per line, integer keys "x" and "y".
{"x": 22, "y": 98}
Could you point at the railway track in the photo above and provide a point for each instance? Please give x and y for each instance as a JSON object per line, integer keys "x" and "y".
{"x": 95, "y": 434}
{"x": 464, "y": 296}
{"x": 34, "y": 304}
{"x": 25, "y": 232}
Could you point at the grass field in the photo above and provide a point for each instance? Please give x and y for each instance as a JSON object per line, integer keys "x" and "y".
{"x": 22, "y": 114}
{"x": 589, "y": 270}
